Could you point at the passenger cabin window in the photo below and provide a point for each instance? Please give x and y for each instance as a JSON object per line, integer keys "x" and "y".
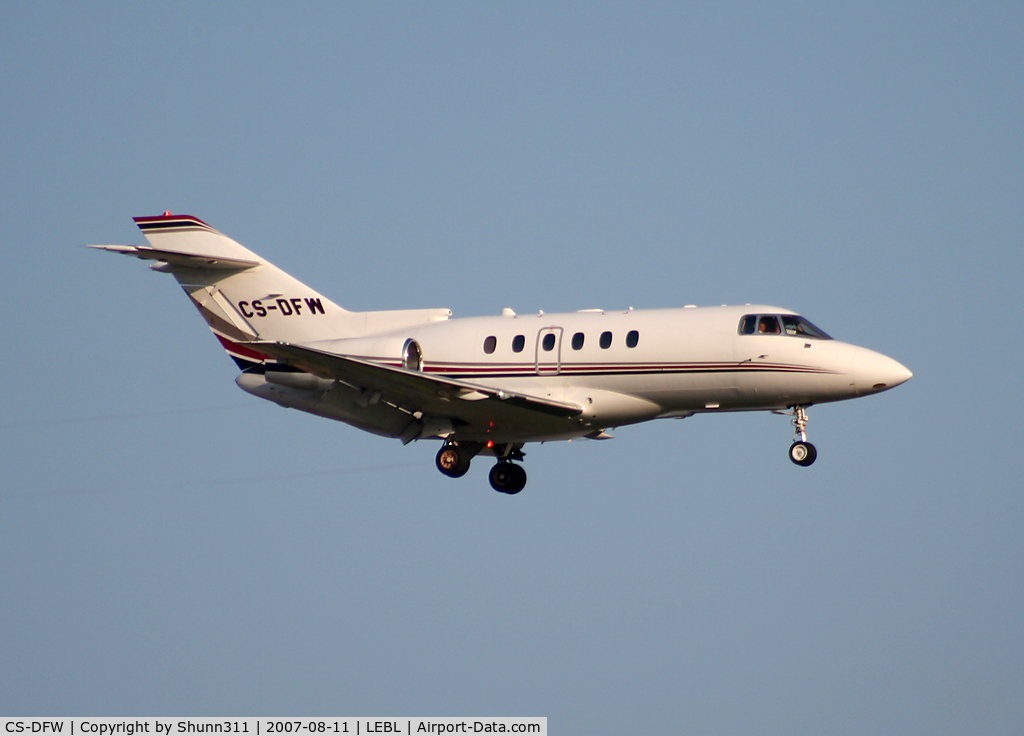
{"x": 769, "y": 324}
{"x": 632, "y": 338}
{"x": 606, "y": 340}
{"x": 518, "y": 343}
{"x": 490, "y": 343}
{"x": 549, "y": 342}
{"x": 577, "y": 341}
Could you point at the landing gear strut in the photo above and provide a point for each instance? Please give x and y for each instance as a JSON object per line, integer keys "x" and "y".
{"x": 801, "y": 451}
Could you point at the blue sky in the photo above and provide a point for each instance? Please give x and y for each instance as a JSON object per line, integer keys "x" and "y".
{"x": 170, "y": 545}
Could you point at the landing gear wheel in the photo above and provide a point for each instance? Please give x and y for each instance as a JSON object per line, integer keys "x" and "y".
{"x": 452, "y": 461}
{"x": 508, "y": 478}
{"x": 802, "y": 453}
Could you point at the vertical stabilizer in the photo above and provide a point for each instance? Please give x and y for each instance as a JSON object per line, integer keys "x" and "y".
{"x": 244, "y": 298}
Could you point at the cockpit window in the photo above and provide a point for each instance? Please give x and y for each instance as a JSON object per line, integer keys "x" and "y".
{"x": 800, "y": 327}
{"x": 784, "y": 324}
{"x": 768, "y": 324}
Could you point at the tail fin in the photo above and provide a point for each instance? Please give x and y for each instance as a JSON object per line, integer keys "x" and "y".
{"x": 245, "y": 298}
{"x": 242, "y": 296}
{"x": 190, "y": 237}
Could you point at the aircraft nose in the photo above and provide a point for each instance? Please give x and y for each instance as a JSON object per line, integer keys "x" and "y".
{"x": 876, "y": 372}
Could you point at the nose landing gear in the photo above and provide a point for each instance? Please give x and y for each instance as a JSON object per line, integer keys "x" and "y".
{"x": 801, "y": 451}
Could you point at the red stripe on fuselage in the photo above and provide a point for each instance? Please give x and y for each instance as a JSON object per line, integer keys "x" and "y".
{"x": 478, "y": 370}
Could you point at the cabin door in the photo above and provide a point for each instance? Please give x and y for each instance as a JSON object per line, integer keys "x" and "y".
{"x": 549, "y": 351}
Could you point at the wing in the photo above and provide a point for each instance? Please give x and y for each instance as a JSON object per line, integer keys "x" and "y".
{"x": 475, "y": 411}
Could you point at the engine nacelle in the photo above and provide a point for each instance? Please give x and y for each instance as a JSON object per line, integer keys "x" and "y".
{"x": 298, "y": 380}
{"x": 395, "y": 351}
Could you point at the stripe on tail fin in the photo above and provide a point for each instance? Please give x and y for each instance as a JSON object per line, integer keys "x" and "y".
{"x": 187, "y": 235}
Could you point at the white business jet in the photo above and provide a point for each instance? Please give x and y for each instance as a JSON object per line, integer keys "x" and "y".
{"x": 489, "y": 385}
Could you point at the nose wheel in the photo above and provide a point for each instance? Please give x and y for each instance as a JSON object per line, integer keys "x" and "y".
{"x": 801, "y": 451}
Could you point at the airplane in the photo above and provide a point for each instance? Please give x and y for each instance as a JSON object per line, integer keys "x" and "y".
{"x": 489, "y": 385}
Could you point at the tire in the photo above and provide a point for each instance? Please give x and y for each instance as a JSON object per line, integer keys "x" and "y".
{"x": 508, "y": 478}
{"x": 803, "y": 453}
{"x": 519, "y": 479}
{"x": 452, "y": 462}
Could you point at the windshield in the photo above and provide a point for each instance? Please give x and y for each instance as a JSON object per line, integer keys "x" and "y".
{"x": 768, "y": 324}
{"x": 802, "y": 328}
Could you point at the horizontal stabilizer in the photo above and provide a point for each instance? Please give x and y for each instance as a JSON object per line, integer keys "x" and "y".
{"x": 177, "y": 258}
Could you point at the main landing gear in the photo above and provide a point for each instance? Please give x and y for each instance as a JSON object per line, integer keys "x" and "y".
{"x": 801, "y": 451}
{"x": 507, "y": 477}
{"x": 453, "y": 460}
